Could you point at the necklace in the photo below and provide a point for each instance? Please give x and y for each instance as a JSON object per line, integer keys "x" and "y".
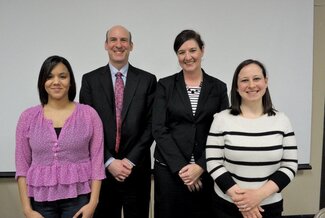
{"x": 194, "y": 89}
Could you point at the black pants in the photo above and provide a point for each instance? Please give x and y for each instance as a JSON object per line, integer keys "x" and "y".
{"x": 174, "y": 200}
{"x": 133, "y": 195}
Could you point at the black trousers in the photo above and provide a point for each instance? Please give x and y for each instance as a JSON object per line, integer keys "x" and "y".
{"x": 133, "y": 195}
{"x": 174, "y": 200}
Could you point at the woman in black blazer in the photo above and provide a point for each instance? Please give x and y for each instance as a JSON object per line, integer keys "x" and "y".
{"x": 182, "y": 114}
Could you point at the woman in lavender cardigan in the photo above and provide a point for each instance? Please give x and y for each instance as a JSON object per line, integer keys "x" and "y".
{"x": 59, "y": 149}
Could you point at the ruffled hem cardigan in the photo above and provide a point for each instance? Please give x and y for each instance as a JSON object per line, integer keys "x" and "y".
{"x": 63, "y": 167}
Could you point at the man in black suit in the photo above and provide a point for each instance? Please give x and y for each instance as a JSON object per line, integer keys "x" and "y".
{"x": 127, "y": 160}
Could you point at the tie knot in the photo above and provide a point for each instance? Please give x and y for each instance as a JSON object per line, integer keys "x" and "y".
{"x": 119, "y": 74}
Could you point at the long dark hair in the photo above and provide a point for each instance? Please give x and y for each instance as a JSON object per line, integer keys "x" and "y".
{"x": 46, "y": 70}
{"x": 236, "y": 98}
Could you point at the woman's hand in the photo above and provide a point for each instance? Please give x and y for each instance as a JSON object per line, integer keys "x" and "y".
{"x": 246, "y": 199}
{"x": 33, "y": 214}
{"x": 253, "y": 213}
{"x": 86, "y": 211}
{"x": 196, "y": 186}
{"x": 190, "y": 174}
{"x": 25, "y": 200}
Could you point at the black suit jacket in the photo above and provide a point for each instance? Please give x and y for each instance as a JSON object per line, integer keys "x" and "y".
{"x": 136, "y": 137}
{"x": 177, "y": 132}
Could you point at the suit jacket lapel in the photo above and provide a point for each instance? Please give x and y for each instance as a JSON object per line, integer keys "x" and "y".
{"x": 131, "y": 84}
{"x": 181, "y": 89}
{"x": 107, "y": 84}
{"x": 204, "y": 95}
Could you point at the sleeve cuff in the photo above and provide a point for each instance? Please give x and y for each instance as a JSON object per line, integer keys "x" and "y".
{"x": 280, "y": 179}
{"x": 225, "y": 182}
{"x": 109, "y": 161}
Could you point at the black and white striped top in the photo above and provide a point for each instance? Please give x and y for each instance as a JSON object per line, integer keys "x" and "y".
{"x": 249, "y": 152}
{"x": 194, "y": 94}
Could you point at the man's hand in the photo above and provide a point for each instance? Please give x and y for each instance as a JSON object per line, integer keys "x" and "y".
{"x": 120, "y": 169}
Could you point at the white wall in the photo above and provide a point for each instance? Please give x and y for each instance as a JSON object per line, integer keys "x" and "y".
{"x": 279, "y": 33}
{"x": 302, "y": 195}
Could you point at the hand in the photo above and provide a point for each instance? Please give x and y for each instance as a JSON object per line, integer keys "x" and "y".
{"x": 250, "y": 198}
{"x": 246, "y": 199}
{"x": 253, "y": 213}
{"x": 127, "y": 163}
{"x": 190, "y": 174}
{"x": 196, "y": 186}
{"x": 232, "y": 192}
{"x": 120, "y": 169}
{"x": 86, "y": 211}
{"x": 33, "y": 214}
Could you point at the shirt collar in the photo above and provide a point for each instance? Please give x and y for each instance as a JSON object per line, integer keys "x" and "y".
{"x": 123, "y": 70}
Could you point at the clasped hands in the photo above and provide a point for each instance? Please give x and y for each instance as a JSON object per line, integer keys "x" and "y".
{"x": 120, "y": 169}
{"x": 190, "y": 174}
{"x": 247, "y": 200}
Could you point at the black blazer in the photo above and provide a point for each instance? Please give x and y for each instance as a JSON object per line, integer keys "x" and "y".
{"x": 177, "y": 132}
{"x": 136, "y": 137}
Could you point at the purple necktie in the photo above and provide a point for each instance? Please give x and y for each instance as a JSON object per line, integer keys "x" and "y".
{"x": 119, "y": 90}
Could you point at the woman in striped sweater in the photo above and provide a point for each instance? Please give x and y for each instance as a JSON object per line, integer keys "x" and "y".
{"x": 251, "y": 149}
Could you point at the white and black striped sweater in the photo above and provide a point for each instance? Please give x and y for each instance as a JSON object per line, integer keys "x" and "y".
{"x": 250, "y": 152}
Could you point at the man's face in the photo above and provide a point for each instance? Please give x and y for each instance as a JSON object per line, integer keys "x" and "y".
{"x": 118, "y": 46}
